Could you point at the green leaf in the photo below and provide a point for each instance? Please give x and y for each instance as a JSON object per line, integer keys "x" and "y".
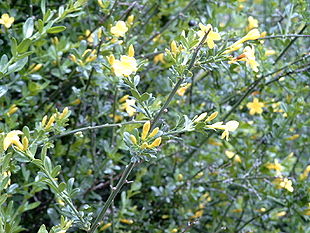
{"x": 56, "y": 29}
{"x": 24, "y": 45}
{"x": 17, "y": 66}
{"x": 62, "y": 186}
{"x": 43, "y": 6}
{"x": 13, "y": 46}
{"x": 4, "y": 60}
{"x": 28, "y": 28}
{"x": 42, "y": 229}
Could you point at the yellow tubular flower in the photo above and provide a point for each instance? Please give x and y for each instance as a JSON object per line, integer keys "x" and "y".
{"x": 131, "y": 51}
{"x": 201, "y": 117}
{"x": 130, "y": 19}
{"x": 275, "y": 166}
{"x": 181, "y": 91}
{"x": 156, "y": 143}
{"x": 174, "y": 48}
{"x": 64, "y": 113}
{"x": 105, "y": 226}
{"x": 212, "y": 36}
{"x": 111, "y": 59}
{"x": 252, "y": 35}
{"x": 145, "y": 130}
{"x": 100, "y": 3}
{"x": 12, "y": 110}
{"x": 126, "y": 221}
{"x": 212, "y": 116}
{"x": 43, "y": 122}
{"x": 25, "y": 142}
{"x": 154, "y": 132}
{"x": 50, "y": 122}
{"x": 12, "y": 138}
{"x": 233, "y": 48}
{"x": 133, "y": 139}
{"x": 6, "y": 20}
{"x": 159, "y": 58}
{"x": 36, "y": 68}
{"x": 119, "y": 29}
{"x": 250, "y": 57}
{"x": 255, "y": 106}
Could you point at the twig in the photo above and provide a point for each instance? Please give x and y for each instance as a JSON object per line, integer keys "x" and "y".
{"x": 97, "y": 127}
{"x": 113, "y": 194}
{"x": 289, "y": 45}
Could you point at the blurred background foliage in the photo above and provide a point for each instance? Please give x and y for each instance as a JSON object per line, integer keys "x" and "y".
{"x": 198, "y": 182}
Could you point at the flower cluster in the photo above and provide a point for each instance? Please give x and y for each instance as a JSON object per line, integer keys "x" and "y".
{"x": 230, "y": 126}
{"x": 146, "y": 137}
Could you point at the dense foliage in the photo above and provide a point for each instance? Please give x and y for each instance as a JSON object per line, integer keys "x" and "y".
{"x": 154, "y": 116}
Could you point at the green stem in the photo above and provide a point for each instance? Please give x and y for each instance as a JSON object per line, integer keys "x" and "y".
{"x": 113, "y": 194}
{"x": 97, "y": 127}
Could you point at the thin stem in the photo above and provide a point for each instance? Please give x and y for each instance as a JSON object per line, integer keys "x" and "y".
{"x": 97, "y": 127}
{"x": 113, "y": 194}
{"x": 289, "y": 45}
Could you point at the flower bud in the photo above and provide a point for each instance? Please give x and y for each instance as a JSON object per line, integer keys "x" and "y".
{"x": 25, "y": 142}
{"x": 131, "y": 51}
{"x": 133, "y": 139}
{"x": 145, "y": 129}
{"x": 154, "y": 132}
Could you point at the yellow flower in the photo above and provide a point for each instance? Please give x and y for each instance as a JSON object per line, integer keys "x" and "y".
{"x": 232, "y": 48}
{"x": 105, "y": 226}
{"x": 281, "y": 214}
{"x": 253, "y": 23}
{"x": 145, "y": 130}
{"x": 130, "y": 19}
{"x": 119, "y": 29}
{"x": 6, "y": 20}
{"x": 212, "y": 116}
{"x": 128, "y": 106}
{"x": 154, "y": 132}
{"x": 252, "y": 35}
{"x": 286, "y": 184}
{"x": 25, "y": 143}
{"x": 131, "y": 51}
{"x": 291, "y": 138}
{"x": 275, "y": 166}
{"x": 231, "y": 155}
{"x": 12, "y": 110}
{"x": 174, "y": 48}
{"x": 126, "y": 65}
{"x": 270, "y": 52}
{"x": 126, "y": 221}
{"x": 159, "y": 58}
{"x": 212, "y": 36}
{"x": 255, "y": 106}
{"x": 13, "y": 138}
{"x": 230, "y": 126}
{"x": 89, "y": 36}
{"x": 64, "y": 113}
{"x": 181, "y": 91}
{"x": 156, "y": 143}
{"x": 34, "y": 68}
{"x": 250, "y": 57}
{"x": 201, "y": 117}
{"x": 50, "y": 122}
